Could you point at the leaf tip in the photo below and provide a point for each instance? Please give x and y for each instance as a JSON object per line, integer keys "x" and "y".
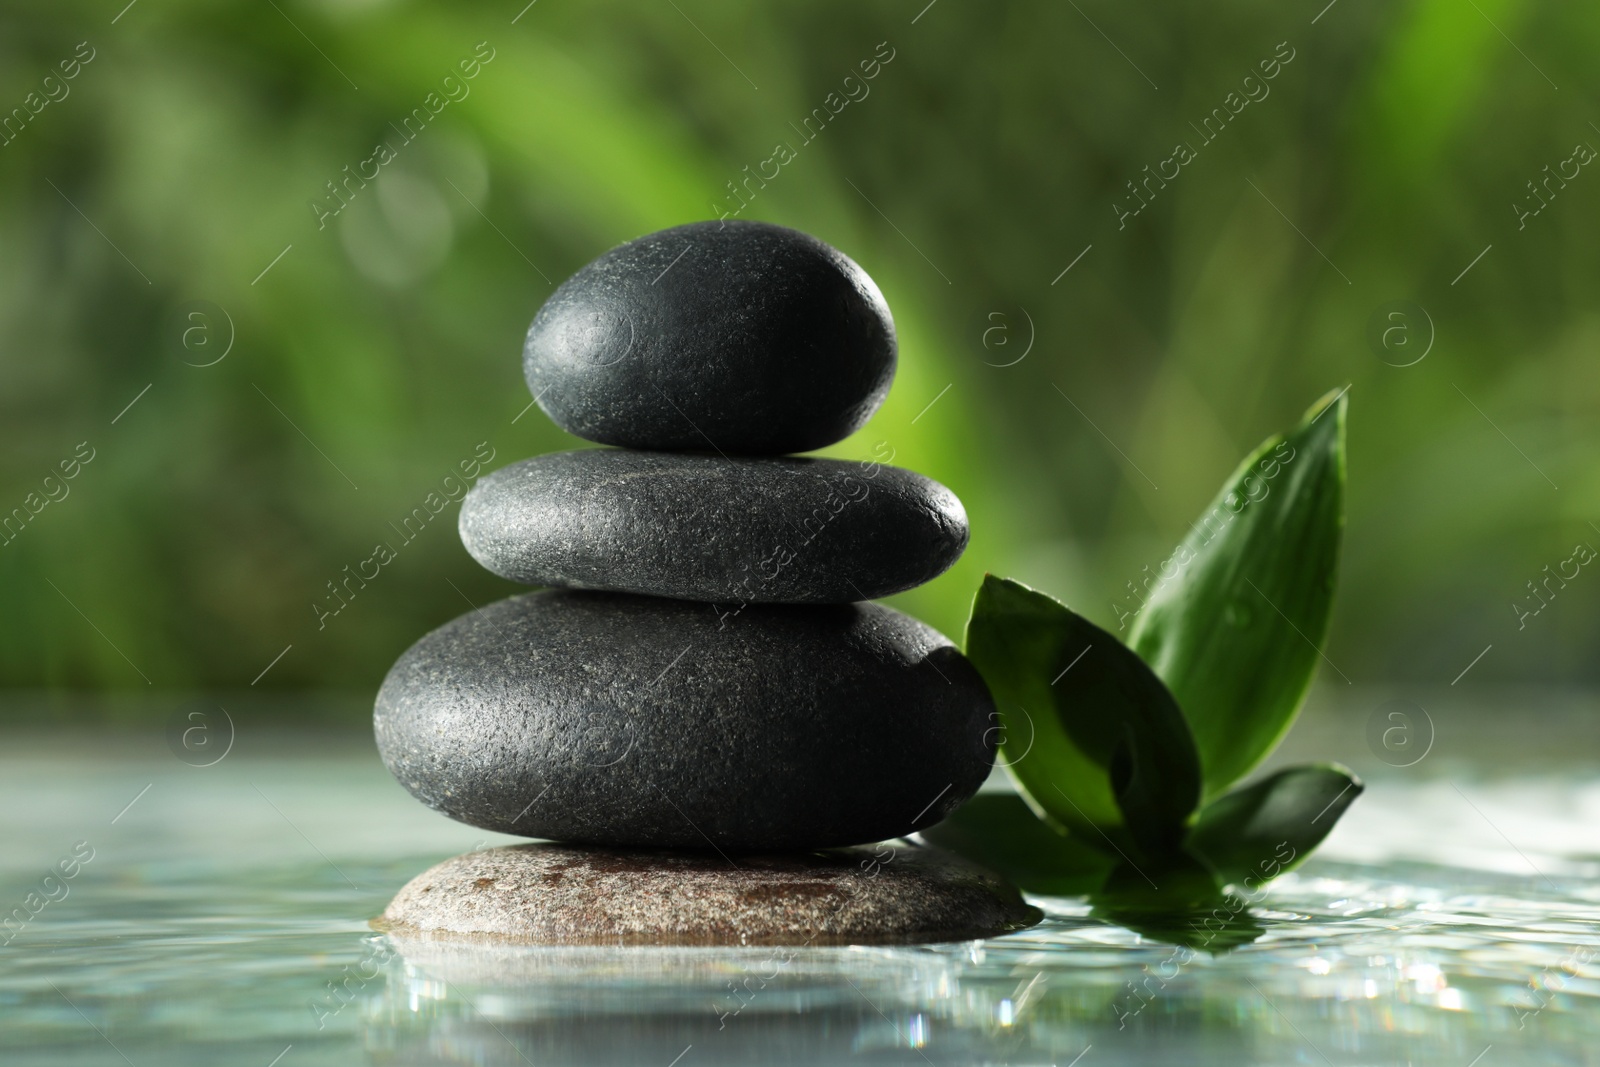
{"x": 1355, "y": 779}
{"x": 1337, "y": 401}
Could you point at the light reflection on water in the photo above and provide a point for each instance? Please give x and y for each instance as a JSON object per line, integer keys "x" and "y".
{"x": 222, "y": 920}
{"x": 1354, "y": 967}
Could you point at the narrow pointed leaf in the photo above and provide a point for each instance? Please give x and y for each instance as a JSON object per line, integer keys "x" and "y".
{"x": 1235, "y": 622}
{"x": 1090, "y": 733}
{"x": 1000, "y": 831}
{"x": 1264, "y": 829}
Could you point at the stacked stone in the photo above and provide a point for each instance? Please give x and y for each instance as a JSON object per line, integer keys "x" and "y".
{"x": 705, "y": 672}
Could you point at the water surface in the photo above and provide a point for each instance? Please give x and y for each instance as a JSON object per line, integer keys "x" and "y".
{"x": 1453, "y": 918}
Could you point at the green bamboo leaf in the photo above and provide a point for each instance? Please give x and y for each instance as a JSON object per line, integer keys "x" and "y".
{"x": 1091, "y": 735}
{"x": 1235, "y": 630}
{"x": 1269, "y": 827}
{"x": 1000, "y": 831}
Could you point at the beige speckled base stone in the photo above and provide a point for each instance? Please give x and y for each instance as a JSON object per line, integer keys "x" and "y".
{"x": 561, "y": 895}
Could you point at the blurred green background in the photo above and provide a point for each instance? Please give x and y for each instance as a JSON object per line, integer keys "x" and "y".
{"x": 370, "y": 356}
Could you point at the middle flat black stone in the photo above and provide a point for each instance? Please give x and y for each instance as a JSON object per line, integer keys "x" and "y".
{"x": 728, "y": 531}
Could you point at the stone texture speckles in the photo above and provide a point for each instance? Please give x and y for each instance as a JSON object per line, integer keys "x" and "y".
{"x": 548, "y": 894}
{"x": 776, "y": 531}
{"x": 633, "y": 721}
{"x": 733, "y": 337}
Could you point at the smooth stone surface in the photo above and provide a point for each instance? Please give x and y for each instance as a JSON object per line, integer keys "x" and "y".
{"x": 733, "y": 337}
{"x": 729, "y": 531}
{"x": 550, "y": 894}
{"x": 605, "y": 718}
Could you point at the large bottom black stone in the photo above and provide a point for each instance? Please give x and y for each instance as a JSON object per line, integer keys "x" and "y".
{"x": 626, "y": 720}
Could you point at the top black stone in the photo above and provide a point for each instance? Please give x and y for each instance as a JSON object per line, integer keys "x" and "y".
{"x": 732, "y": 337}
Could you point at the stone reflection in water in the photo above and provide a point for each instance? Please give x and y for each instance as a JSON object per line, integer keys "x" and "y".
{"x": 466, "y": 1003}
{"x": 1338, "y": 968}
